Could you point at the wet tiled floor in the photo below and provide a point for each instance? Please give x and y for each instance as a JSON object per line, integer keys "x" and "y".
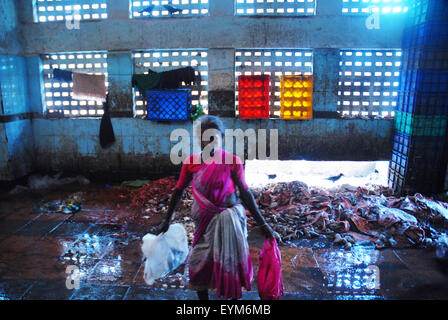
{"x": 38, "y": 250}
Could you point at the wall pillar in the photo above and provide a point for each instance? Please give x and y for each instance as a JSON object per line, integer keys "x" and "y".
{"x": 221, "y": 92}
{"x": 326, "y": 78}
{"x": 120, "y": 70}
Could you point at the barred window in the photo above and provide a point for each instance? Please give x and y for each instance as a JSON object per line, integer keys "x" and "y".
{"x": 70, "y": 10}
{"x": 275, "y": 63}
{"x": 356, "y": 7}
{"x": 165, "y": 60}
{"x": 169, "y": 8}
{"x": 275, "y": 7}
{"x": 58, "y": 94}
{"x": 369, "y": 82}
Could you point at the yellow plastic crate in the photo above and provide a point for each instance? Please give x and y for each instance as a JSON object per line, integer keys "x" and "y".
{"x": 296, "y": 97}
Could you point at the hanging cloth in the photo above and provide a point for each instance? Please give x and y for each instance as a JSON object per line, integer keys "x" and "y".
{"x": 164, "y": 80}
{"x": 62, "y": 75}
{"x": 144, "y": 82}
{"x": 173, "y": 79}
{"x": 89, "y": 87}
{"x": 107, "y": 136}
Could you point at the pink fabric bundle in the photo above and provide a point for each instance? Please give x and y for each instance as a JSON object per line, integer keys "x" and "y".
{"x": 89, "y": 87}
{"x": 270, "y": 283}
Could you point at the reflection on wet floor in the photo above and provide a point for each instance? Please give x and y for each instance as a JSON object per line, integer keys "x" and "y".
{"x": 36, "y": 251}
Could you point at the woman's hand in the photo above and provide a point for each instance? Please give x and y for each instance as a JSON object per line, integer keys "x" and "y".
{"x": 164, "y": 226}
{"x": 177, "y": 195}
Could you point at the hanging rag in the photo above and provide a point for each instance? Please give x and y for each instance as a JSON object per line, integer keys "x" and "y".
{"x": 107, "y": 136}
{"x": 89, "y": 87}
{"x": 164, "y": 80}
{"x": 145, "y": 82}
{"x": 173, "y": 79}
{"x": 62, "y": 75}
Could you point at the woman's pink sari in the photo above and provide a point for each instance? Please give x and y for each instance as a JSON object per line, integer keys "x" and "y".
{"x": 220, "y": 257}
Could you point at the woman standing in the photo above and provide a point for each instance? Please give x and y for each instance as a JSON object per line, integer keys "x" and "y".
{"x": 220, "y": 256}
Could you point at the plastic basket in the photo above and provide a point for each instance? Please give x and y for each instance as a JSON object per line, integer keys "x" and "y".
{"x": 423, "y": 103}
{"x": 426, "y": 34}
{"x": 426, "y": 58}
{"x": 429, "y": 148}
{"x": 431, "y": 81}
{"x": 253, "y": 96}
{"x": 420, "y": 125}
{"x": 296, "y": 97}
{"x": 426, "y": 10}
{"x": 416, "y": 174}
{"x": 168, "y": 105}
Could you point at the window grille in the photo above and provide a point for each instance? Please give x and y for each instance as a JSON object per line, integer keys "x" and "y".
{"x": 369, "y": 82}
{"x": 360, "y": 7}
{"x": 273, "y": 62}
{"x": 58, "y": 94}
{"x": 169, "y": 8}
{"x": 165, "y": 60}
{"x": 69, "y": 10}
{"x": 275, "y": 7}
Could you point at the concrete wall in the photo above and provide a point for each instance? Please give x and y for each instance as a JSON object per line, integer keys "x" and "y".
{"x": 10, "y": 40}
{"x": 16, "y": 139}
{"x": 143, "y": 146}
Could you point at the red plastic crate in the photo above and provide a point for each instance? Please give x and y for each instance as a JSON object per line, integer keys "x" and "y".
{"x": 253, "y": 97}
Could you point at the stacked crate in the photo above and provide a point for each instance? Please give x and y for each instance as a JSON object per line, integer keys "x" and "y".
{"x": 253, "y": 97}
{"x": 419, "y": 159}
{"x": 296, "y": 97}
{"x": 168, "y": 105}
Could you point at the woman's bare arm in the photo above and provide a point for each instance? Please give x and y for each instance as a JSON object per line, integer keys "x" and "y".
{"x": 174, "y": 201}
{"x": 249, "y": 202}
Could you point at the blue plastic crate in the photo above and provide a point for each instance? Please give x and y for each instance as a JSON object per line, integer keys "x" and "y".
{"x": 431, "y": 81}
{"x": 168, "y": 105}
{"x": 423, "y": 103}
{"x": 419, "y": 147}
{"x": 427, "y": 34}
{"x": 426, "y": 10}
{"x": 427, "y": 58}
{"x": 411, "y": 174}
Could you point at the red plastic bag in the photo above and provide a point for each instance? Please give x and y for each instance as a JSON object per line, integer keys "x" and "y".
{"x": 270, "y": 283}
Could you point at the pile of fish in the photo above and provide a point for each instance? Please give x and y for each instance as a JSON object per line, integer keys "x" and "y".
{"x": 296, "y": 211}
{"x": 344, "y": 217}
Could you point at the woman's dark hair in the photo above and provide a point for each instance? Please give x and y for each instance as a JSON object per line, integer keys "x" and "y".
{"x": 211, "y": 122}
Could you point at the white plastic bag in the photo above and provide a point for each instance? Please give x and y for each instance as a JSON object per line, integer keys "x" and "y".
{"x": 164, "y": 252}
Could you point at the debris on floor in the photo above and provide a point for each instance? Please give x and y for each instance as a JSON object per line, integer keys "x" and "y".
{"x": 135, "y": 183}
{"x": 39, "y": 182}
{"x": 70, "y": 205}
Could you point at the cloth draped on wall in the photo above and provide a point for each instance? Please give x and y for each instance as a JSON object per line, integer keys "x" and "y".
{"x": 89, "y": 87}
{"x": 164, "y": 80}
{"x": 107, "y": 136}
{"x": 62, "y": 75}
